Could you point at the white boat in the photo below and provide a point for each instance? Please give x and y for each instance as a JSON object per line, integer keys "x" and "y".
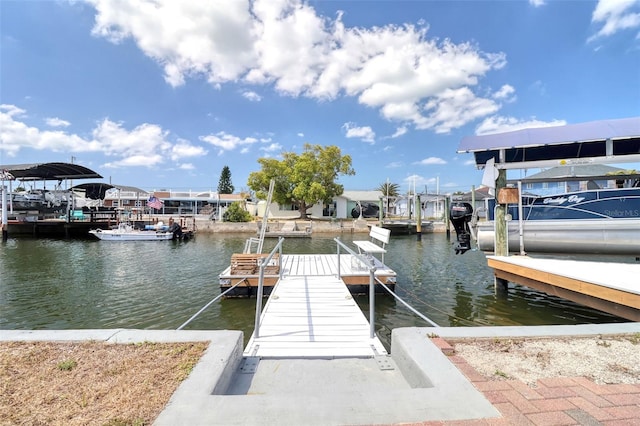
{"x": 126, "y": 232}
{"x": 602, "y": 221}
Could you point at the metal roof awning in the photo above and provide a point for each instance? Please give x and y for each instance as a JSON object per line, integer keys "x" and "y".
{"x": 585, "y": 143}
{"x": 48, "y": 171}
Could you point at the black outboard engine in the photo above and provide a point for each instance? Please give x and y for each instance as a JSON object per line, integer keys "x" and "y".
{"x": 176, "y": 230}
{"x": 460, "y": 217}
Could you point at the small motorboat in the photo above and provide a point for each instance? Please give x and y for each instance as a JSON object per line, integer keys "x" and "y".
{"x": 126, "y": 232}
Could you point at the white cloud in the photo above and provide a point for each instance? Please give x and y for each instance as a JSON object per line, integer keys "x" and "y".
{"x": 186, "y": 166}
{"x": 57, "y": 122}
{"x": 184, "y": 149}
{"x": 227, "y": 142}
{"x": 274, "y": 147}
{"x": 498, "y": 124}
{"x": 394, "y": 165}
{"x": 252, "y": 96}
{"x": 615, "y": 16}
{"x": 301, "y": 135}
{"x": 505, "y": 93}
{"x": 431, "y": 161}
{"x": 417, "y": 181}
{"x": 537, "y": 3}
{"x": 287, "y": 45}
{"x": 365, "y": 133}
{"x": 399, "y": 132}
{"x": 145, "y": 145}
{"x": 16, "y": 135}
{"x": 136, "y": 161}
{"x": 539, "y": 87}
{"x": 145, "y": 139}
{"x": 454, "y": 108}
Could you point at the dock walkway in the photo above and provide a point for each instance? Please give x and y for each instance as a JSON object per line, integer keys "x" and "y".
{"x": 610, "y": 287}
{"x": 312, "y": 316}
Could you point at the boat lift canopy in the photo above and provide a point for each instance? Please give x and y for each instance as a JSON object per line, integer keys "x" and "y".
{"x": 47, "y": 171}
{"x": 604, "y": 141}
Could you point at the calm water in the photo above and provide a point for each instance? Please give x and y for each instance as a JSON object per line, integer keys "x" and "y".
{"x": 67, "y": 284}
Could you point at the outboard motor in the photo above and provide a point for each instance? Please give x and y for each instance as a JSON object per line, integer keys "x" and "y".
{"x": 460, "y": 214}
{"x": 176, "y": 230}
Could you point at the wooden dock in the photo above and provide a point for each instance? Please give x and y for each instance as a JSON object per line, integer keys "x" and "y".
{"x": 609, "y": 287}
{"x": 353, "y": 272}
{"x": 312, "y": 316}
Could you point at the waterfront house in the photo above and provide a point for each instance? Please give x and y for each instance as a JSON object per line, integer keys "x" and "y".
{"x": 559, "y": 180}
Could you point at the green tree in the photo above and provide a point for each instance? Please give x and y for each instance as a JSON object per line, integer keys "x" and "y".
{"x": 303, "y": 179}
{"x": 235, "y": 213}
{"x": 389, "y": 190}
{"x": 224, "y": 184}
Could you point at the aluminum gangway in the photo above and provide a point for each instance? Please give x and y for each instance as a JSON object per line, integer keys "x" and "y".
{"x": 313, "y": 316}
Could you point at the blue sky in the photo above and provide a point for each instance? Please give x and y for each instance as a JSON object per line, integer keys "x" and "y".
{"x": 164, "y": 94}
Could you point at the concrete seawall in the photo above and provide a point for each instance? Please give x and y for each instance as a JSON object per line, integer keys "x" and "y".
{"x": 337, "y": 227}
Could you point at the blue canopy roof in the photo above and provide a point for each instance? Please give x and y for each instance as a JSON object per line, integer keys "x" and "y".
{"x": 581, "y": 140}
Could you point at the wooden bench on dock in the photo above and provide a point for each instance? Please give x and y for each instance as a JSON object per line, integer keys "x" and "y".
{"x": 377, "y": 234}
{"x": 249, "y": 264}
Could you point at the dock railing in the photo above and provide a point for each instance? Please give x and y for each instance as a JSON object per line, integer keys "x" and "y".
{"x": 372, "y": 277}
{"x": 264, "y": 264}
{"x": 372, "y": 280}
{"x": 194, "y": 316}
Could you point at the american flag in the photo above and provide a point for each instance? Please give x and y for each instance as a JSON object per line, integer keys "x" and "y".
{"x": 154, "y": 202}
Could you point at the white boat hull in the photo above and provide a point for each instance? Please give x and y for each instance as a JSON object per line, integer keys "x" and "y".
{"x": 131, "y": 235}
{"x": 597, "y": 236}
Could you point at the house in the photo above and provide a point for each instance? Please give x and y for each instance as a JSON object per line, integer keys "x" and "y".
{"x": 125, "y": 197}
{"x": 480, "y": 194}
{"x": 340, "y": 207}
{"x": 563, "y": 179}
{"x": 173, "y": 202}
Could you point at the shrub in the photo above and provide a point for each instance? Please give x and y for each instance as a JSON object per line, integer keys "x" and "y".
{"x": 235, "y": 213}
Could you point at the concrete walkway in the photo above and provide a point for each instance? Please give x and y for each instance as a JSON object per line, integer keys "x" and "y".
{"x": 416, "y": 385}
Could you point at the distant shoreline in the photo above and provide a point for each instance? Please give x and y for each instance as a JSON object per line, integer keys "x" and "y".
{"x": 337, "y": 227}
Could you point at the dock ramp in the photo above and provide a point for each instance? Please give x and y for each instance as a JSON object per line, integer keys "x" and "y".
{"x": 313, "y": 317}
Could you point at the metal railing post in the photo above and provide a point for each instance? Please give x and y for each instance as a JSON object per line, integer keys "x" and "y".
{"x": 372, "y": 303}
{"x": 259, "y": 300}
{"x": 338, "y": 247}
{"x": 372, "y": 280}
{"x": 260, "y": 294}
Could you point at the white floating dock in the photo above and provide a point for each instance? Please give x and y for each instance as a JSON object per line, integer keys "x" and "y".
{"x": 353, "y": 271}
{"x": 312, "y": 316}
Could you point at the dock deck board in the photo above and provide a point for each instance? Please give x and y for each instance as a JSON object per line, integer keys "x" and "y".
{"x": 312, "y": 316}
{"x": 327, "y": 264}
{"x": 611, "y": 287}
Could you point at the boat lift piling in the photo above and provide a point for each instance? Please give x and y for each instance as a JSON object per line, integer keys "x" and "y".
{"x": 3, "y": 224}
{"x": 418, "y": 218}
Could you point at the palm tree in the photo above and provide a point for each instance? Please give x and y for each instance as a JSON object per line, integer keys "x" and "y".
{"x": 389, "y": 190}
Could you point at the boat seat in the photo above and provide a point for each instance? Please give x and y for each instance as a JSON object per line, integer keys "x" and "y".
{"x": 369, "y": 247}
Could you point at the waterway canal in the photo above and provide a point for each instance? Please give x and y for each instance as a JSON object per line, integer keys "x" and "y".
{"x": 70, "y": 284}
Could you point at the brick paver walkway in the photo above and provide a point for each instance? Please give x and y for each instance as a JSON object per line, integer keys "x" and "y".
{"x": 554, "y": 401}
